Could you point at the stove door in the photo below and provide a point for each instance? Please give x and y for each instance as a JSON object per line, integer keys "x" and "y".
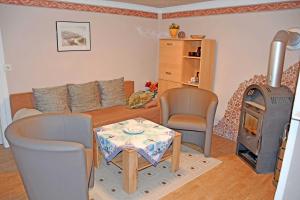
{"x": 250, "y": 129}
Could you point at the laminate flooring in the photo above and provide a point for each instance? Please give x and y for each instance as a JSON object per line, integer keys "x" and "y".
{"x": 232, "y": 180}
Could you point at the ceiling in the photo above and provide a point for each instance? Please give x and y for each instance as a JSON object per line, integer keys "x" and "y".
{"x": 161, "y": 3}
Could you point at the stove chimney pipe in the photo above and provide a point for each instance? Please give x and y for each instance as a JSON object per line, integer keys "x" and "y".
{"x": 282, "y": 39}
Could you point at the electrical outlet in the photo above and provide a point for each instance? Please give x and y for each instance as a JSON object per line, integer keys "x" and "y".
{"x": 7, "y": 67}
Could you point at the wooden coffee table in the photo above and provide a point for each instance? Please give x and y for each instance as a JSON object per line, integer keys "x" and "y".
{"x": 129, "y": 161}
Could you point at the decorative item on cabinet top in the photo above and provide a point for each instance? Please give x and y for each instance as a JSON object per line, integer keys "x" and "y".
{"x": 197, "y": 36}
{"x": 181, "y": 34}
{"x": 173, "y": 30}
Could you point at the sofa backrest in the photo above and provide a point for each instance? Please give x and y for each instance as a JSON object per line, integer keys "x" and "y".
{"x": 26, "y": 100}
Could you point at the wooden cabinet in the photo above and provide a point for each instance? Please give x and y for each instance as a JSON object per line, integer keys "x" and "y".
{"x": 176, "y": 67}
{"x": 164, "y": 85}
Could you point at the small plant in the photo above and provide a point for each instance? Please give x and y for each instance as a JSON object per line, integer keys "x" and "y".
{"x": 174, "y": 26}
{"x": 152, "y": 87}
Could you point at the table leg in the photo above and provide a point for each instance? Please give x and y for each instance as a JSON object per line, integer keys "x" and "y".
{"x": 176, "y": 152}
{"x": 95, "y": 151}
{"x": 130, "y": 167}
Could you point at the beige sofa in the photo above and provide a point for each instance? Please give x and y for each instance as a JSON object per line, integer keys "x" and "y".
{"x": 101, "y": 116}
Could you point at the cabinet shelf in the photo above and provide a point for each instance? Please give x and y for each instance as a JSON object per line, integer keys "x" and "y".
{"x": 190, "y": 84}
{"x": 192, "y": 57}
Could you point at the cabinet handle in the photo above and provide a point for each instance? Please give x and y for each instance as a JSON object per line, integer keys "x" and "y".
{"x": 168, "y": 73}
{"x": 169, "y": 44}
{"x": 259, "y": 143}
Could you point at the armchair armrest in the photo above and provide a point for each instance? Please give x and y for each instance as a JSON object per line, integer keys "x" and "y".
{"x": 165, "y": 110}
{"x": 210, "y": 114}
{"x": 211, "y": 111}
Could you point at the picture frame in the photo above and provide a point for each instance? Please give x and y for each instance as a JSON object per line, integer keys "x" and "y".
{"x": 73, "y": 36}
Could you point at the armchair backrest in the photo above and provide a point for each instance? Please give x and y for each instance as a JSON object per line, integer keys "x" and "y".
{"x": 188, "y": 100}
{"x": 60, "y": 127}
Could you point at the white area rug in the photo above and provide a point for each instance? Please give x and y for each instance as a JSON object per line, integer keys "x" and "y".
{"x": 153, "y": 182}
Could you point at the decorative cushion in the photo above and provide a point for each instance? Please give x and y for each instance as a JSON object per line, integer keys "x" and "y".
{"x": 139, "y": 99}
{"x": 112, "y": 92}
{"x": 84, "y": 97}
{"x": 25, "y": 112}
{"x": 152, "y": 103}
{"x": 187, "y": 122}
{"x": 51, "y": 99}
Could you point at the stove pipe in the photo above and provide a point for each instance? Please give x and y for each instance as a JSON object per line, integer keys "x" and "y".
{"x": 281, "y": 40}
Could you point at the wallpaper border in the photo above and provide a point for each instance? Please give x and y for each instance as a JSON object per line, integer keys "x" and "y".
{"x": 81, "y": 7}
{"x": 234, "y": 10}
{"x": 170, "y": 15}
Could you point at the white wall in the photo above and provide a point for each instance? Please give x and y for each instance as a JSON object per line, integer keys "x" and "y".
{"x": 243, "y": 42}
{"x": 5, "y": 114}
{"x": 128, "y": 46}
{"x": 121, "y": 46}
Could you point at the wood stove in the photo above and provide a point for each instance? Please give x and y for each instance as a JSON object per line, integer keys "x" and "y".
{"x": 265, "y": 111}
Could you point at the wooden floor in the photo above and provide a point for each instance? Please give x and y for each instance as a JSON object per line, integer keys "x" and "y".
{"x": 233, "y": 179}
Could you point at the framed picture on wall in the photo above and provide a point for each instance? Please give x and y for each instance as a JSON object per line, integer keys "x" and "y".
{"x": 73, "y": 36}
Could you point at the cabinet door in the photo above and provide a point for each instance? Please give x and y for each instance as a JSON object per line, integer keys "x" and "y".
{"x": 164, "y": 85}
{"x": 170, "y": 72}
{"x": 171, "y": 51}
{"x": 170, "y": 63}
{"x": 207, "y": 64}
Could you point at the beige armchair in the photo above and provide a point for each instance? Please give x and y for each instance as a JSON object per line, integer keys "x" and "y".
{"x": 53, "y": 153}
{"x": 190, "y": 111}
